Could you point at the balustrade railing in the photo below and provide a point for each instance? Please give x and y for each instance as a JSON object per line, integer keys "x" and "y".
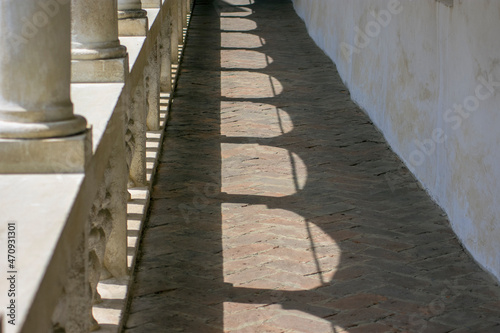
{"x": 71, "y": 194}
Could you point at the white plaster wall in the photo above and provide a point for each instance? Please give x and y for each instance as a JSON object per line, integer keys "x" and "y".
{"x": 409, "y": 75}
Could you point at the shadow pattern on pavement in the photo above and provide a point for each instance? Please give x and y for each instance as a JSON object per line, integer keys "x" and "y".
{"x": 278, "y": 207}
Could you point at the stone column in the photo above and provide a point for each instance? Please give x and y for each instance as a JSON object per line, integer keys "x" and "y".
{"x": 96, "y": 51}
{"x": 187, "y": 7}
{"x": 135, "y": 137}
{"x": 35, "y": 90}
{"x": 166, "y": 51}
{"x": 175, "y": 32}
{"x": 182, "y": 20}
{"x": 133, "y": 20}
{"x": 152, "y": 76}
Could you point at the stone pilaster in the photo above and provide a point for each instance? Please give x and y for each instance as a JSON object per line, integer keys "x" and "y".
{"x": 132, "y": 19}
{"x": 35, "y": 91}
{"x": 175, "y": 32}
{"x": 181, "y": 10}
{"x": 166, "y": 45}
{"x": 186, "y": 11}
{"x": 96, "y": 51}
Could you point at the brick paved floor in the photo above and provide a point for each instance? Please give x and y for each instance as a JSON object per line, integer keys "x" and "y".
{"x": 278, "y": 207}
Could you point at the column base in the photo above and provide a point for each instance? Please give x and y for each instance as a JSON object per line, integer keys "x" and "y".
{"x": 151, "y": 3}
{"x": 100, "y": 70}
{"x": 129, "y": 27}
{"x": 39, "y": 156}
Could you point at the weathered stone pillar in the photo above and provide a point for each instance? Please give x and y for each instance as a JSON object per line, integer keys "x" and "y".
{"x": 35, "y": 90}
{"x": 182, "y": 19}
{"x": 187, "y": 11}
{"x": 175, "y": 32}
{"x": 166, "y": 52}
{"x": 135, "y": 137}
{"x": 96, "y": 51}
{"x": 75, "y": 304}
{"x": 152, "y": 75}
{"x": 133, "y": 20}
{"x": 116, "y": 175}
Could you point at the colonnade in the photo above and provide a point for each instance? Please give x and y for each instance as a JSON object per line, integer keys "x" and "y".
{"x": 109, "y": 60}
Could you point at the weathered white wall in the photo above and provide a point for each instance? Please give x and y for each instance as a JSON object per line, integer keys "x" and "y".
{"x": 416, "y": 71}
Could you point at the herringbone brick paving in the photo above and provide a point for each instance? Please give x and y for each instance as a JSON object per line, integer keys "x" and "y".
{"x": 278, "y": 207}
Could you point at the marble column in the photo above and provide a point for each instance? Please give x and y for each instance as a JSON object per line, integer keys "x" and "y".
{"x": 96, "y": 51}
{"x": 35, "y": 90}
{"x": 132, "y": 19}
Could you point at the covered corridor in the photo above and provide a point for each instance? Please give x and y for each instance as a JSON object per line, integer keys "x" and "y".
{"x": 278, "y": 206}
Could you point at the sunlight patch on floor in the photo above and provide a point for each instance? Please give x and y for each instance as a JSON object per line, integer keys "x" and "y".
{"x": 239, "y": 2}
{"x": 241, "y": 40}
{"x": 275, "y": 249}
{"x": 268, "y": 121}
{"x": 237, "y": 24}
{"x": 261, "y": 170}
{"x": 244, "y": 59}
{"x": 240, "y": 84}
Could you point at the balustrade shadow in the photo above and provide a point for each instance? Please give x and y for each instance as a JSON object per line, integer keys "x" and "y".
{"x": 382, "y": 255}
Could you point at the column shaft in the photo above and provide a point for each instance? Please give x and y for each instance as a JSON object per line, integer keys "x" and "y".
{"x": 35, "y": 71}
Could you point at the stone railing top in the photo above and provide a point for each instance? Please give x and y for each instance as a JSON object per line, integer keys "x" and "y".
{"x": 96, "y": 102}
{"x": 40, "y": 206}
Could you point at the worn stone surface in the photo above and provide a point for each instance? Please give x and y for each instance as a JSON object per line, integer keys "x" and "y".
{"x": 59, "y": 155}
{"x": 96, "y": 53}
{"x": 100, "y": 71}
{"x": 133, "y": 26}
{"x": 278, "y": 207}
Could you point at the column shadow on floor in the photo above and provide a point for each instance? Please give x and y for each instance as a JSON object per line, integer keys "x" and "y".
{"x": 381, "y": 255}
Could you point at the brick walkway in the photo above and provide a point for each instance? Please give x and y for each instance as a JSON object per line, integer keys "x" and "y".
{"x": 278, "y": 207}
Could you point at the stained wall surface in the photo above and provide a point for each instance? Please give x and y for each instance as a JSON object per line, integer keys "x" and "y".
{"x": 428, "y": 75}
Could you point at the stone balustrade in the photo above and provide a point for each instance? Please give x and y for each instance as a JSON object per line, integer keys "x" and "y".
{"x": 75, "y": 171}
